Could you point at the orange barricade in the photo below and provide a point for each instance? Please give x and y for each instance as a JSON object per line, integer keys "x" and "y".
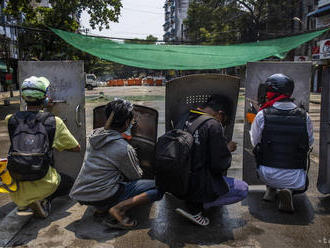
{"x": 131, "y": 82}
{"x": 138, "y": 81}
{"x": 150, "y": 81}
{"x": 120, "y": 82}
{"x": 159, "y": 82}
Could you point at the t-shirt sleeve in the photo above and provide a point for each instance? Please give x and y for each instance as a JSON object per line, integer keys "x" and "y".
{"x": 63, "y": 139}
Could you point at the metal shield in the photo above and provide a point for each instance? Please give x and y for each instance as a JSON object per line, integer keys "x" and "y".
{"x": 67, "y": 90}
{"x": 323, "y": 182}
{"x": 185, "y": 93}
{"x": 256, "y": 73}
{"x": 144, "y": 134}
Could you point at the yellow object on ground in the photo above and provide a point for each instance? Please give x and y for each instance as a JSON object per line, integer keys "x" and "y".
{"x": 7, "y": 184}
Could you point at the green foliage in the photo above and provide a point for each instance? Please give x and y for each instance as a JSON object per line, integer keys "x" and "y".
{"x": 61, "y": 14}
{"x": 150, "y": 39}
{"x": 228, "y": 21}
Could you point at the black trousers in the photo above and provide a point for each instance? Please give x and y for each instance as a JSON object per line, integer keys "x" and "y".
{"x": 64, "y": 188}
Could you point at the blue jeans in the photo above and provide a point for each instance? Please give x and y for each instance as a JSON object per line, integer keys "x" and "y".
{"x": 138, "y": 187}
{"x": 130, "y": 189}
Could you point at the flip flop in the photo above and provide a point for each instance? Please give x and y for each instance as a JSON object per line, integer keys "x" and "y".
{"x": 115, "y": 224}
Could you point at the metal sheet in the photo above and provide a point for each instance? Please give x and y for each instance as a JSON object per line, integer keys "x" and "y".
{"x": 144, "y": 134}
{"x": 185, "y": 93}
{"x": 67, "y": 90}
{"x": 256, "y": 73}
{"x": 323, "y": 182}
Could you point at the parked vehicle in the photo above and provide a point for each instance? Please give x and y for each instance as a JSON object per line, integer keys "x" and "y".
{"x": 90, "y": 81}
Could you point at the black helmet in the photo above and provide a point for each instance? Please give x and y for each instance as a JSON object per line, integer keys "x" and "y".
{"x": 278, "y": 83}
{"x": 122, "y": 111}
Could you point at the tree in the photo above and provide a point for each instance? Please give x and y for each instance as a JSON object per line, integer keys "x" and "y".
{"x": 228, "y": 21}
{"x": 150, "y": 39}
{"x": 213, "y": 21}
{"x": 61, "y": 14}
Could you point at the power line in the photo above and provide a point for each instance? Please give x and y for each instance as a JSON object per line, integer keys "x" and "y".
{"x": 134, "y": 39}
{"x": 144, "y": 11}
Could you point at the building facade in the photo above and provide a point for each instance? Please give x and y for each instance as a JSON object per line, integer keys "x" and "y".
{"x": 175, "y": 13}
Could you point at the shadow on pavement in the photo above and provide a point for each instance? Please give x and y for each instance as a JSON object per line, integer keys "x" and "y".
{"x": 6, "y": 209}
{"x": 269, "y": 213}
{"x": 30, "y": 231}
{"x": 91, "y": 228}
{"x": 323, "y": 206}
{"x": 176, "y": 231}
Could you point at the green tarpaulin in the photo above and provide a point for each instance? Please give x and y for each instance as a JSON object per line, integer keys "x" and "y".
{"x": 184, "y": 57}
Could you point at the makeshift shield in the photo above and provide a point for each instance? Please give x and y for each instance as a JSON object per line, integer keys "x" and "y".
{"x": 185, "y": 93}
{"x": 144, "y": 134}
{"x": 256, "y": 73}
{"x": 323, "y": 182}
{"x": 67, "y": 91}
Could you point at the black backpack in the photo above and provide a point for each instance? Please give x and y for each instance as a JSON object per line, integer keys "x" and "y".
{"x": 173, "y": 159}
{"x": 31, "y": 135}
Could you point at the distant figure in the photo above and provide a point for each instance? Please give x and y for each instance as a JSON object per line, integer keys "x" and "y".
{"x": 109, "y": 179}
{"x": 33, "y": 135}
{"x": 282, "y": 135}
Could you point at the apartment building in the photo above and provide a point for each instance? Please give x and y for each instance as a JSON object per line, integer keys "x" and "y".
{"x": 175, "y": 13}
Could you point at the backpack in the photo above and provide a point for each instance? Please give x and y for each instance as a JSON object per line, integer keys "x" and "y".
{"x": 30, "y": 154}
{"x": 173, "y": 159}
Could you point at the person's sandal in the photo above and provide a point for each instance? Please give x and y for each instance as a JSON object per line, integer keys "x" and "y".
{"x": 40, "y": 209}
{"x": 198, "y": 219}
{"x": 127, "y": 223}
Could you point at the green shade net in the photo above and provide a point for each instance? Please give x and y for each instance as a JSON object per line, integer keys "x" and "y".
{"x": 184, "y": 57}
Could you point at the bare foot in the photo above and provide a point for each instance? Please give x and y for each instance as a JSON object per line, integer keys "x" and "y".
{"x": 121, "y": 218}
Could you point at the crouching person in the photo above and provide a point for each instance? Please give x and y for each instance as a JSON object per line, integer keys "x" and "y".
{"x": 109, "y": 179}
{"x": 211, "y": 157}
{"x": 33, "y": 135}
{"x": 282, "y": 134}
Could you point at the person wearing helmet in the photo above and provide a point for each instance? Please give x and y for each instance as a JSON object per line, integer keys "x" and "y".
{"x": 110, "y": 178}
{"x": 282, "y": 135}
{"x": 33, "y": 135}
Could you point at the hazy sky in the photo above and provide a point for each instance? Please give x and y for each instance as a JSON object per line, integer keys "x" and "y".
{"x": 138, "y": 19}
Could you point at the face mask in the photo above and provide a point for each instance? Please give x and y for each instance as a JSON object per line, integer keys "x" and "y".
{"x": 127, "y": 134}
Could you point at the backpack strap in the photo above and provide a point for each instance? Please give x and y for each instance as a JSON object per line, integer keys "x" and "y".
{"x": 197, "y": 122}
{"x": 48, "y": 120}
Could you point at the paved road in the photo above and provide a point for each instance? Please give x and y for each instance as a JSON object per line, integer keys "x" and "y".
{"x": 251, "y": 223}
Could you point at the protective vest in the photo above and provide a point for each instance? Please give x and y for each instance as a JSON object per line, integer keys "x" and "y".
{"x": 284, "y": 142}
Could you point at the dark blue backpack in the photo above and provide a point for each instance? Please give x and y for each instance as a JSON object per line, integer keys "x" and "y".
{"x": 31, "y": 135}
